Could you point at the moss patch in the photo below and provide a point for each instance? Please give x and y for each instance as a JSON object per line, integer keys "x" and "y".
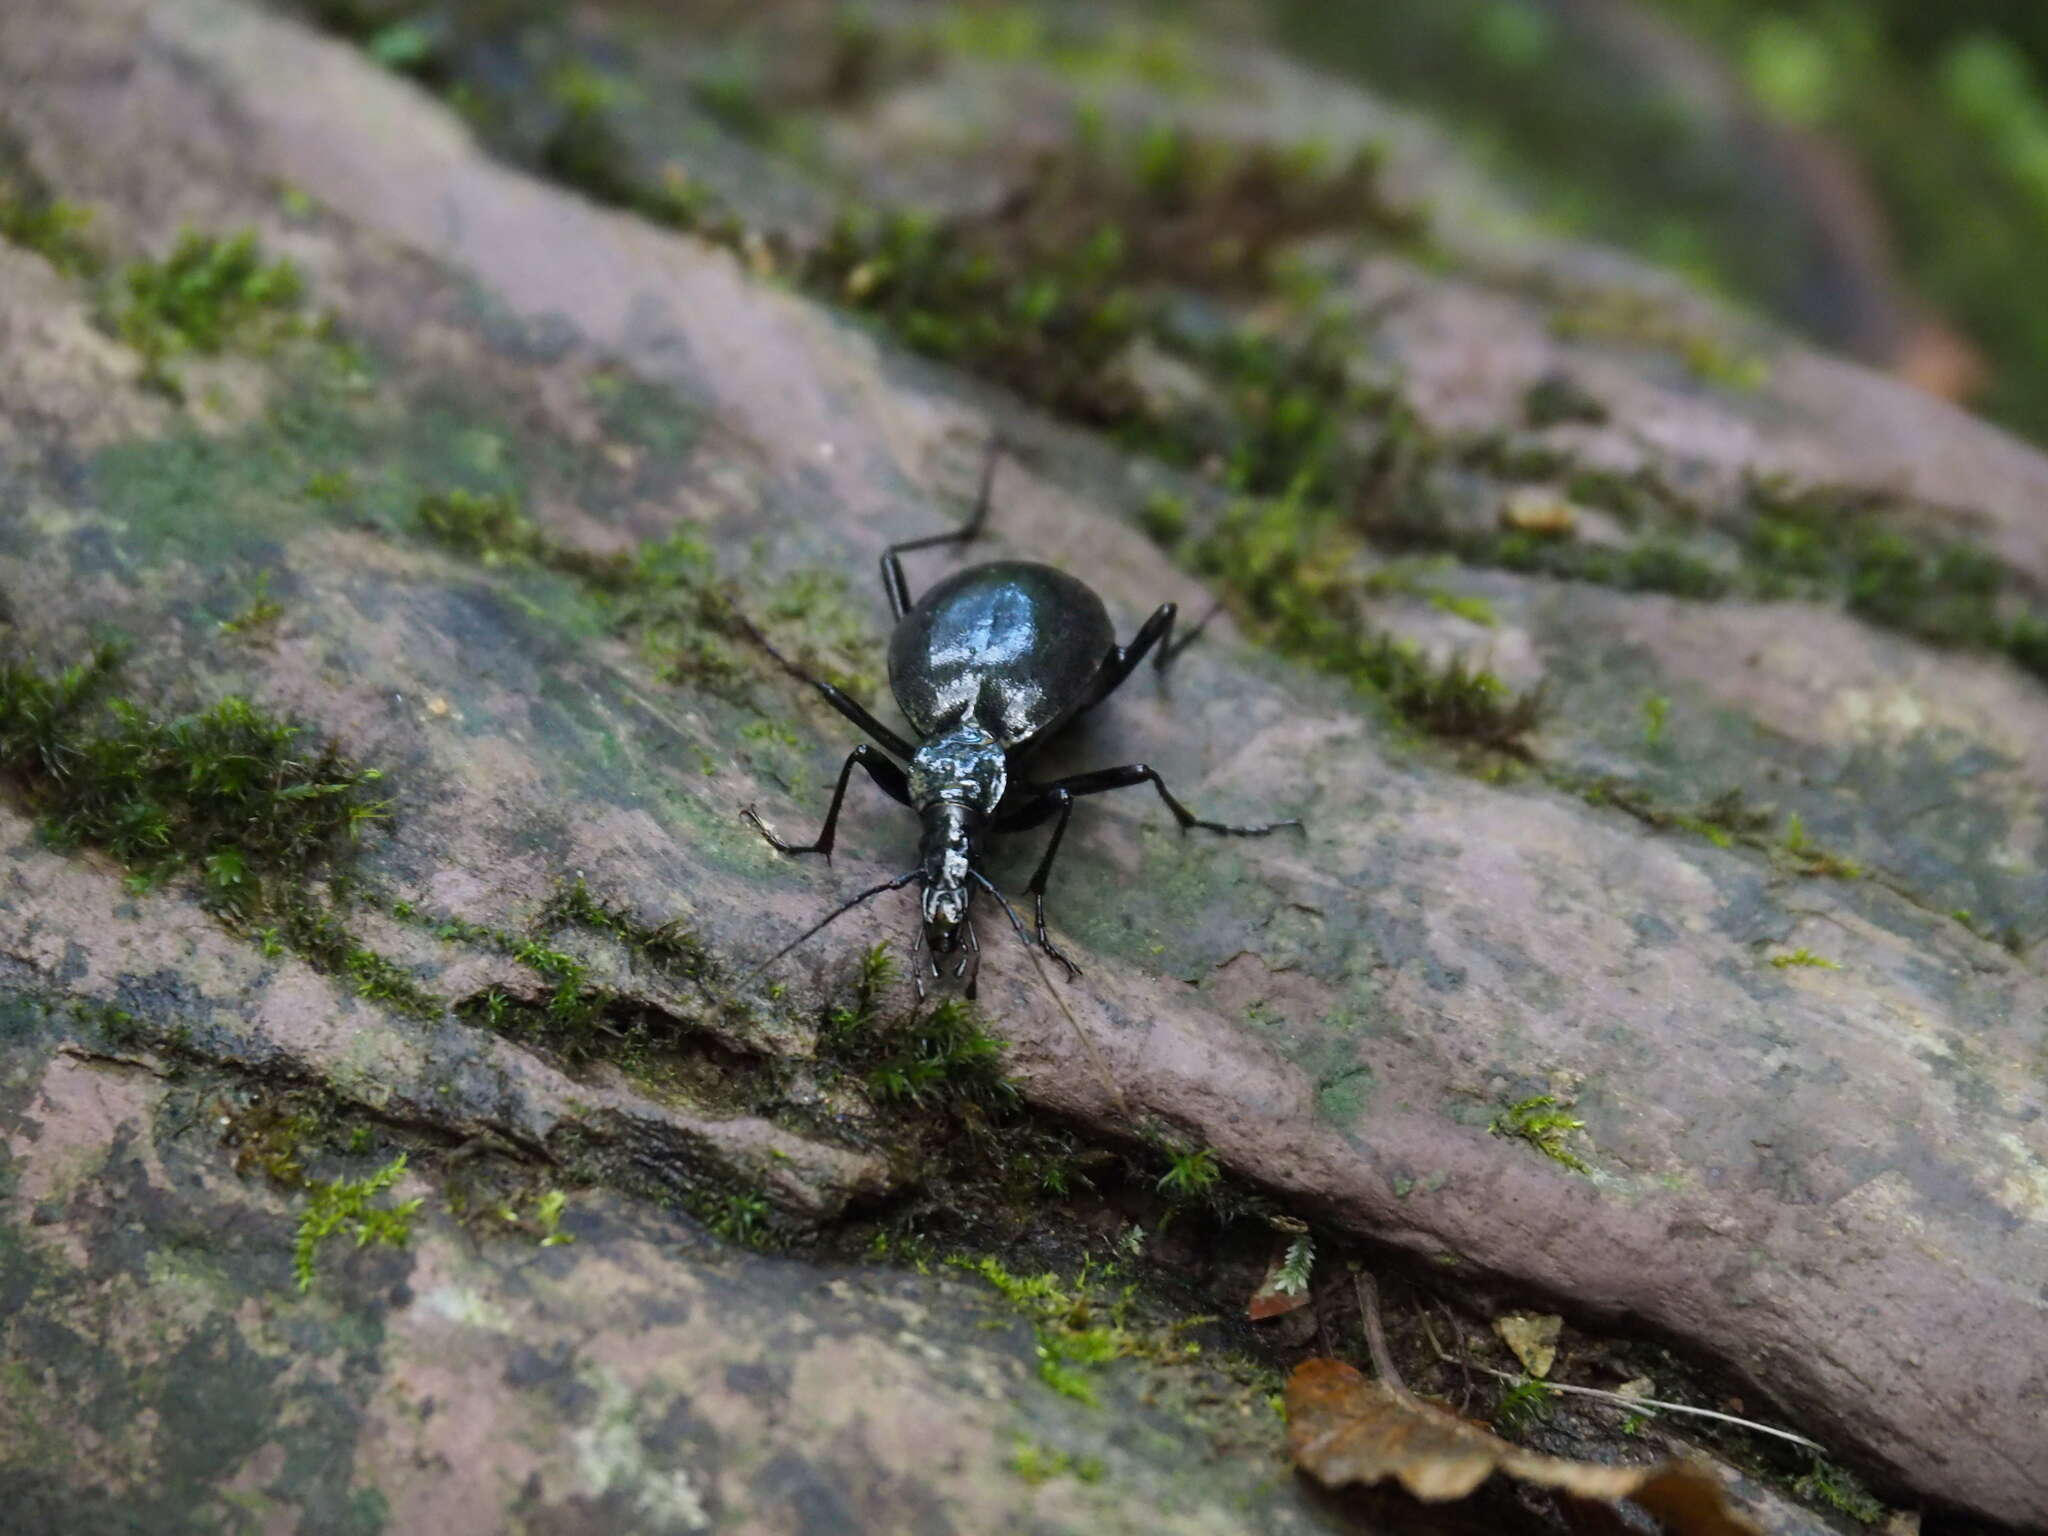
{"x": 1545, "y": 1125}
{"x": 210, "y": 292}
{"x": 348, "y": 1207}
{"x": 36, "y": 220}
{"x": 247, "y": 805}
{"x": 1294, "y": 568}
{"x": 242, "y": 800}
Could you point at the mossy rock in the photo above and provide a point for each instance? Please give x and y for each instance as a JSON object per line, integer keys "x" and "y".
{"x": 1510, "y": 1019}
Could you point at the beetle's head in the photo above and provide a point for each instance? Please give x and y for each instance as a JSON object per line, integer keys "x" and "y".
{"x": 956, "y": 781}
{"x": 946, "y": 860}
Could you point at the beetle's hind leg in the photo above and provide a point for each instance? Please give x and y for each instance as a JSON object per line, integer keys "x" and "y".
{"x": 1156, "y": 634}
{"x": 894, "y": 583}
{"x": 887, "y": 776}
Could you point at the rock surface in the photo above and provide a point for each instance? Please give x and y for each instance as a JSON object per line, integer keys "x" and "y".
{"x": 1829, "y": 1181}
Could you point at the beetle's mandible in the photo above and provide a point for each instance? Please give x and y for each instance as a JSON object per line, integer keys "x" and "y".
{"x": 986, "y": 666}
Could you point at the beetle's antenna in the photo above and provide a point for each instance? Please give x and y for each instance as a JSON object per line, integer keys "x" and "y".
{"x": 831, "y": 917}
{"x": 1031, "y": 953}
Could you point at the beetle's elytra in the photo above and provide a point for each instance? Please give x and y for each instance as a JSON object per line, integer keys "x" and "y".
{"x": 986, "y": 666}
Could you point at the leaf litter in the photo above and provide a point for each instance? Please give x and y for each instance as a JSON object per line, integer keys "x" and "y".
{"x": 1343, "y": 1428}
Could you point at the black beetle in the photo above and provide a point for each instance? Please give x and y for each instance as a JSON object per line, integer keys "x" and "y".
{"x": 986, "y": 666}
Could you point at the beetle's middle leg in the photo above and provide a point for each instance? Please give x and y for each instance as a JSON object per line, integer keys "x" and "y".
{"x": 886, "y": 775}
{"x": 1102, "y": 780}
{"x": 1045, "y": 801}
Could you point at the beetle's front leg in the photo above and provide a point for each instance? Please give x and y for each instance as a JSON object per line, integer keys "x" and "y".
{"x": 886, "y": 775}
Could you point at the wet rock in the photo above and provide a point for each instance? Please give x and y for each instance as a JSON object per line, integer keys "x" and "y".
{"x": 1825, "y": 1179}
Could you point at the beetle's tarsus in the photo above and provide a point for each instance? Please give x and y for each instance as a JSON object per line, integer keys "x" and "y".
{"x": 760, "y": 826}
{"x": 1045, "y": 939}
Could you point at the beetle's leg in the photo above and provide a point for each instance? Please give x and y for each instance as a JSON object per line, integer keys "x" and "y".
{"x": 1170, "y": 649}
{"x": 885, "y": 774}
{"x": 1157, "y": 631}
{"x": 843, "y": 702}
{"x": 1043, "y": 805}
{"x": 1064, "y": 800}
{"x": 894, "y": 583}
{"x": 1132, "y": 774}
{"x": 974, "y": 954}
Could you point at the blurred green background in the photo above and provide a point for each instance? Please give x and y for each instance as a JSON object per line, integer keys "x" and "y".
{"x": 1874, "y": 172}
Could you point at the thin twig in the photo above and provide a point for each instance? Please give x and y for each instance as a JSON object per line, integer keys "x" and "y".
{"x": 1464, "y": 1366}
{"x": 1376, "y": 1335}
{"x": 1650, "y": 1402}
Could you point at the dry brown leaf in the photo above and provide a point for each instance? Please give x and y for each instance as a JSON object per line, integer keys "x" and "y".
{"x": 1532, "y": 510}
{"x": 1533, "y": 1338}
{"x": 1273, "y": 1298}
{"x": 1345, "y": 1428}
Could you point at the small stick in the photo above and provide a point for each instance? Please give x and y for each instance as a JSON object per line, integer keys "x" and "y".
{"x": 1376, "y": 1335}
{"x": 1464, "y": 1365}
{"x": 1634, "y": 1402}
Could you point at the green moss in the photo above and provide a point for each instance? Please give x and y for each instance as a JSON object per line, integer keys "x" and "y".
{"x": 1803, "y": 957}
{"x": 673, "y": 603}
{"x": 240, "y": 799}
{"x": 666, "y": 945}
{"x": 1655, "y": 565}
{"x": 1297, "y": 1267}
{"x": 1037, "y": 1464}
{"x": 1624, "y": 315}
{"x": 319, "y": 935}
{"x": 1524, "y": 1405}
{"x": 1656, "y": 711}
{"x": 739, "y": 1217}
{"x": 576, "y": 1018}
{"x": 486, "y": 525}
{"x": 259, "y": 612}
{"x": 1292, "y": 568}
{"x": 1832, "y": 1488}
{"x": 33, "y": 219}
{"x": 1544, "y": 1125}
{"x": 835, "y": 637}
{"x": 1053, "y": 328}
{"x": 237, "y": 800}
{"x": 209, "y": 293}
{"x": 1190, "y": 1175}
{"x": 1077, "y": 1332}
{"x": 1819, "y": 541}
{"x": 934, "y": 1054}
{"x": 1725, "y": 821}
{"x": 1075, "y": 45}
{"x": 1292, "y": 401}
{"x": 269, "y": 1137}
{"x": 346, "y": 1207}
{"x": 1557, "y": 399}
{"x": 1165, "y": 517}
{"x": 484, "y": 1200}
